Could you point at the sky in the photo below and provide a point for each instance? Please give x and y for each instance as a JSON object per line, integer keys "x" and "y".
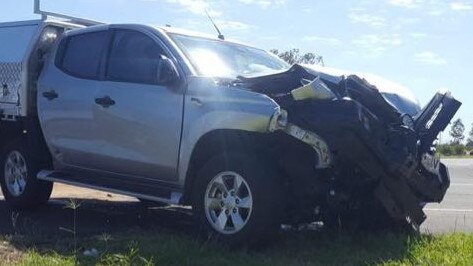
{"x": 425, "y": 45}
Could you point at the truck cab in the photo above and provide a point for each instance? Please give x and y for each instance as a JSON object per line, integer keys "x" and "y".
{"x": 109, "y": 79}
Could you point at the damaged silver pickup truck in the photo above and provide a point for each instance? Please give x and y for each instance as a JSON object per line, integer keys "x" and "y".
{"x": 180, "y": 118}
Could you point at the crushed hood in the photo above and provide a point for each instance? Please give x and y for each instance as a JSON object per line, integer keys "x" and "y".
{"x": 397, "y": 95}
{"x": 278, "y": 84}
{"x": 389, "y": 105}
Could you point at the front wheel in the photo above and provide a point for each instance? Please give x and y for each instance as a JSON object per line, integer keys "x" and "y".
{"x": 20, "y": 186}
{"x": 238, "y": 199}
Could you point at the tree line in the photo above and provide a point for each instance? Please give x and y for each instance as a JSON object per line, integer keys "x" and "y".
{"x": 459, "y": 145}
{"x": 294, "y": 56}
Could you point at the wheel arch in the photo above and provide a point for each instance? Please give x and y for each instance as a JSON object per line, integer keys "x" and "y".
{"x": 217, "y": 142}
{"x": 10, "y": 131}
{"x": 27, "y": 130}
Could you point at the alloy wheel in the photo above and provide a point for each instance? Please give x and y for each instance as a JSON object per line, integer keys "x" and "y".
{"x": 228, "y": 202}
{"x": 16, "y": 172}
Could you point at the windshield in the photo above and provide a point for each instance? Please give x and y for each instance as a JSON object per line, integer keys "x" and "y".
{"x": 217, "y": 58}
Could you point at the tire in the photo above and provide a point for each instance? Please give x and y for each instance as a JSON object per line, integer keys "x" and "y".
{"x": 248, "y": 215}
{"x": 20, "y": 187}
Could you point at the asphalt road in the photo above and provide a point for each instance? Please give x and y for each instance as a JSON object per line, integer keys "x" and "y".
{"x": 104, "y": 212}
{"x": 455, "y": 213}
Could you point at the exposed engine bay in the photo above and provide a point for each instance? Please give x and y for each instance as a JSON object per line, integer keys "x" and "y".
{"x": 369, "y": 145}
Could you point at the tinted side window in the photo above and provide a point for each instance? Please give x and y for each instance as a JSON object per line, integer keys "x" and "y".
{"x": 83, "y": 53}
{"x": 134, "y": 57}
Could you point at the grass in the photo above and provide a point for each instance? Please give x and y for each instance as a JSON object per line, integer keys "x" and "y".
{"x": 456, "y": 156}
{"x": 292, "y": 248}
{"x": 454, "y": 249}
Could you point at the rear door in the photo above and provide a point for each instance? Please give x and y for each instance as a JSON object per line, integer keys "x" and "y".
{"x": 138, "y": 120}
{"x": 66, "y": 93}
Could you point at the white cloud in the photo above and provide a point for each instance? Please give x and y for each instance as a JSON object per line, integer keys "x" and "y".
{"x": 433, "y": 7}
{"x": 418, "y": 35}
{"x": 370, "y": 39}
{"x": 233, "y": 25}
{"x": 374, "y": 44}
{"x": 436, "y": 8}
{"x": 358, "y": 16}
{"x": 264, "y": 3}
{"x": 460, "y": 6}
{"x": 323, "y": 40}
{"x": 406, "y": 3}
{"x": 196, "y": 6}
{"x": 431, "y": 58}
{"x": 436, "y": 12}
{"x": 271, "y": 38}
{"x": 307, "y": 10}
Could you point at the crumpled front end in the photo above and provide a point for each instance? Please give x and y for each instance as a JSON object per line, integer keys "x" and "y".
{"x": 365, "y": 146}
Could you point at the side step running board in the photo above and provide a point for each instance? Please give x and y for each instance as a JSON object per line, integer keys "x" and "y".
{"x": 53, "y": 176}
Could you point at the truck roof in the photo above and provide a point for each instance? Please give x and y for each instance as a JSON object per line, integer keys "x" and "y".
{"x": 170, "y": 29}
{"x": 175, "y": 30}
{"x": 165, "y": 29}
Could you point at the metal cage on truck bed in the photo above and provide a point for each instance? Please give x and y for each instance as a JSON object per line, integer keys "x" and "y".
{"x": 15, "y": 48}
{"x": 23, "y": 48}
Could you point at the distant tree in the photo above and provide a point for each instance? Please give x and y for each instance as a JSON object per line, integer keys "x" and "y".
{"x": 469, "y": 142}
{"x": 457, "y": 131}
{"x": 445, "y": 149}
{"x": 459, "y": 149}
{"x": 294, "y": 56}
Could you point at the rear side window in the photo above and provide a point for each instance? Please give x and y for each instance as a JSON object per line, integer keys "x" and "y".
{"x": 81, "y": 54}
{"x": 134, "y": 57}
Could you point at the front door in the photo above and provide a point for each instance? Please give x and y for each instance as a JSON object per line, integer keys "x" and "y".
{"x": 139, "y": 121}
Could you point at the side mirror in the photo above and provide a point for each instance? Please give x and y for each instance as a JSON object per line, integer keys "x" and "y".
{"x": 167, "y": 72}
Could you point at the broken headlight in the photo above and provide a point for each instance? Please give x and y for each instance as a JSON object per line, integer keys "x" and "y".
{"x": 278, "y": 120}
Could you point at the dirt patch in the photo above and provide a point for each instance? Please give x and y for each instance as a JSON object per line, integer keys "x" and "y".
{"x": 8, "y": 254}
{"x": 65, "y": 191}
{"x": 98, "y": 213}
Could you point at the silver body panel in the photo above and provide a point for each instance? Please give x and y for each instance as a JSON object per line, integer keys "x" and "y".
{"x": 138, "y": 136}
{"x": 209, "y": 107}
{"x": 151, "y": 131}
{"x": 141, "y": 134}
{"x": 68, "y": 123}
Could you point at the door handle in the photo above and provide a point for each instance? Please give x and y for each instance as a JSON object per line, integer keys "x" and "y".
{"x": 50, "y": 95}
{"x": 105, "y": 101}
